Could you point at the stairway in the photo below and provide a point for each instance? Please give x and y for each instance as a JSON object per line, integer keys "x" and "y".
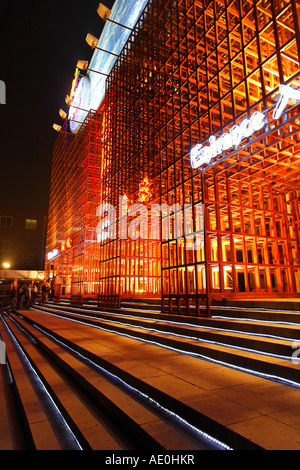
{"x": 257, "y": 340}
{"x": 252, "y": 342}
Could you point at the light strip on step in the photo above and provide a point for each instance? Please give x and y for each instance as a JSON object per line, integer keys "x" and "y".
{"x": 41, "y": 387}
{"x": 195, "y": 338}
{"x": 202, "y": 356}
{"x": 138, "y": 392}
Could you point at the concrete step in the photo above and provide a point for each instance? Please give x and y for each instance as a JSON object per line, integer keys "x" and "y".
{"x": 259, "y": 347}
{"x": 283, "y": 324}
{"x": 83, "y": 418}
{"x": 254, "y": 336}
{"x": 37, "y": 429}
{"x": 256, "y": 313}
{"x": 280, "y": 311}
{"x": 181, "y": 377}
{"x": 264, "y": 335}
{"x": 153, "y": 431}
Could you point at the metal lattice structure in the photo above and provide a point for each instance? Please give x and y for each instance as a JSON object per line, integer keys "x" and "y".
{"x": 191, "y": 70}
{"x": 75, "y": 196}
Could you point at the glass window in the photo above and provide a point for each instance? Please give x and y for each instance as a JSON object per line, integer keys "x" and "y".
{"x": 6, "y": 222}
{"x": 31, "y": 224}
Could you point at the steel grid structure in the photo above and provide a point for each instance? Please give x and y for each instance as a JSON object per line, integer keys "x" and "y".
{"x": 191, "y": 70}
{"x": 73, "y": 251}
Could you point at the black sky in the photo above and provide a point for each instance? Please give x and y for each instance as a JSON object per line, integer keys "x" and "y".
{"x": 40, "y": 43}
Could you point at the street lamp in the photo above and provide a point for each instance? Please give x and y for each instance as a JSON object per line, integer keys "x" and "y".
{"x": 105, "y": 12}
{"x": 56, "y": 127}
{"x": 83, "y": 65}
{"x": 68, "y": 100}
{"x": 62, "y": 114}
{"x": 92, "y": 41}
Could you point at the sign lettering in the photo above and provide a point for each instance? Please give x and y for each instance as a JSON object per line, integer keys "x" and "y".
{"x": 200, "y": 155}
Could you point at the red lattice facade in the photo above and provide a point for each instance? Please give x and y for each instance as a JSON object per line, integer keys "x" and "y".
{"x": 189, "y": 71}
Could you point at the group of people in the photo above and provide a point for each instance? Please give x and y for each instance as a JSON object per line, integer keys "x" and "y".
{"x": 25, "y": 296}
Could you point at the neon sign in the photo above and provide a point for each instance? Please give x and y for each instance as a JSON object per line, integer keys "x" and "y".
{"x": 66, "y": 245}
{"x": 286, "y": 93}
{"x": 200, "y": 155}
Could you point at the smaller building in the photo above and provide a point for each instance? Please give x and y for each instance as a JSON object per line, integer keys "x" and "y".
{"x": 22, "y": 239}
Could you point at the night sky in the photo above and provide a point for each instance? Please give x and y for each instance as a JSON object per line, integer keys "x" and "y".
{"x": 40, "y": 44}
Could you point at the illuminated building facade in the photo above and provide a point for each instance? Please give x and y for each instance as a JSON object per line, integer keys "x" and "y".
{"x": 201, "y": 113}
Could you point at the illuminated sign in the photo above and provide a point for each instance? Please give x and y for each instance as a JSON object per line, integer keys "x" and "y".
{"x": 200, "y": 155}
{"x": 52, "y": 254}
{"x": 113, "y": 38}
{"x": 67, "y": 244}
{"x": 286, "y": 93}
{"x": 80, "y": 103}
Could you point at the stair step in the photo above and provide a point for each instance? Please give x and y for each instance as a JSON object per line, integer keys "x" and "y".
{"x": 39, "y": 429}
{"x": 236, "y": 343}
{"x": 92, "y": 433}
{"x": 157, "y": 428}
{"x": 261, "y": 336}
{"x": 242, "y": 344}
{"x": 280, "y": 316}
{"x": 166, "y": 437}
{"x": 6, "y": 438}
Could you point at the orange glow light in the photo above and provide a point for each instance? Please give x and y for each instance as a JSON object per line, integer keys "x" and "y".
{"x": 145, "y": 190}
{"x": 66, "y": 245}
